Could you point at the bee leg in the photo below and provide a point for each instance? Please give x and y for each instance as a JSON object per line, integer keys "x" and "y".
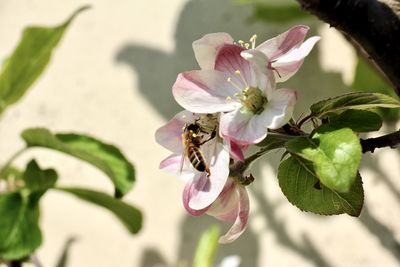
{"x": 208, "y": 172}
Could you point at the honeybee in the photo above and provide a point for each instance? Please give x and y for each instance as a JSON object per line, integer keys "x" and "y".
{"x": 192, "y": 139}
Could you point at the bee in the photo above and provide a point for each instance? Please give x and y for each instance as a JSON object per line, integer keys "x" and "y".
{"x": 192, "y": 139}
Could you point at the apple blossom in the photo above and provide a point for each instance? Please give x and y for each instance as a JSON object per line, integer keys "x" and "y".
{"x": 242, "y": 88}
{"x": 206, "y": 188}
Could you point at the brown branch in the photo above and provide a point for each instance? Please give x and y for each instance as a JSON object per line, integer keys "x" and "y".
{"x": 391, "y": 140}
{"x": 372, "y": 24}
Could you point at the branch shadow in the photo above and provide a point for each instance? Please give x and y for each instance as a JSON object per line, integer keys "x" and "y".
{"x": 63, "y": 259}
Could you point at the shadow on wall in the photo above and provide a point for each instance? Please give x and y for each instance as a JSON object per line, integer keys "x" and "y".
{"x": 157, "y": 71}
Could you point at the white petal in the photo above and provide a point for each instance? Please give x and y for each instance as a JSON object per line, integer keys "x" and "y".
{"x": 240, "y": 223}
{"x": 241, "y": 128}
{"x": 205, "y": 49}
{"x": 278, "y": 110}
{"x": 206, "y": 189}
{"x": 204, "y": 91}
{"x": 170, "y": 134}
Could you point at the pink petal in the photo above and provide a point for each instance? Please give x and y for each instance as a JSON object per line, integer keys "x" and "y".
{"x": 278, "y": 110}
{"x": 288, "y": 64}
{"x": 236, "y": 151}
{"x": 204, "y": 91}
{"x": 170, "y": 135}
{"x": 241, "y": 128}
{"x": 205, "y": 49}
{"x": 206, "y": 189}
{"x": 240, "y": 223}
{"x": 172, "y": 165}
{"x": 283, "y": 43}
{"x": 230, "y": 61}
{"x": 225, "y": 207}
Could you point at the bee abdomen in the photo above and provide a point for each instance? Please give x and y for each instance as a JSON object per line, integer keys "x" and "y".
{"x": 196, "y": 158}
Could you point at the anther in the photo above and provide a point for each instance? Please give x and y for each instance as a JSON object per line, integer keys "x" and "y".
{"x": 253, "y": 41}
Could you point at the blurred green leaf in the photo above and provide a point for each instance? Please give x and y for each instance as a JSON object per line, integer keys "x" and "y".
{"x": 206, "y": 248}
{"x": 301, "y": 186}
{"x": 19, "y": 230}
{"x": 359, "y": 100}
{"x": 127, "y": 214}
{"x": 335, "y": 155}
{"x": 37, "y": 179}
{"x": 29, "y": 60}
{"x": 103, "y": 156}
{"x": 367, "y": 79}
{"x": 278, "y": 13}
{"x": 357, "y": 120}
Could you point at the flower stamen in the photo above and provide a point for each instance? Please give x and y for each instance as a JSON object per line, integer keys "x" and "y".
{"x": 253, "y": 41}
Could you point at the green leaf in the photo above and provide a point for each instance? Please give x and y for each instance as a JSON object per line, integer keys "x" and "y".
{"x": 103, "y": 156}
{"x": 357, "y": 120}
{"x": 29, "y": 60}
{"x": 367, "y": 79}
{"x": 206, "y": 248}
{"x": 19, "y": 230}
{"x": 300, "y": 185}
{"x": 127, "y": 214}
{"x": 335, "y": 155}
{"x": 353, "y": 101}
{"x": 278, "y": 13}
{"x": 37, "y": 179}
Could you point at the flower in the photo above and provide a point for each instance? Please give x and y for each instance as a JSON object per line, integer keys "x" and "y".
{"x": 285, "y": 52}
{"x": 232, "y": 205}
{"x": 205, "y": 187}
{"x": 240, "y": 83}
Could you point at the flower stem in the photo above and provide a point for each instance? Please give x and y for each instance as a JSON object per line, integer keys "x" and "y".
{"x": 10, "y": 160}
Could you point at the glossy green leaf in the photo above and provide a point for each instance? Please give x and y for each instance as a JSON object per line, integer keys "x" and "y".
{"x": 357, "y": 120}
{"x": 127, "y": 214}
{"x": 300, "y": 185}
{"x": 19, "y": 230}
{"x": 206, "y": 248}
{"x": 335, "y": 154}
{"x": 367, "y": 79}
{"x": 29, "y": 60}
{"x": 353, "y": 101}
{"x": 106, "y": 157}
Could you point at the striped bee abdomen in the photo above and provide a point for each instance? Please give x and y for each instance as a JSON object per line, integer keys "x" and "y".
{"x": 196, "y": 158}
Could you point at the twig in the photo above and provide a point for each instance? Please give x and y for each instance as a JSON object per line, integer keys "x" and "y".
{"x": 391, "y": 140}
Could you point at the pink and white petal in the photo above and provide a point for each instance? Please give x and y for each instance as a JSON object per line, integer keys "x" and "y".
{"x": 230, "y": 61}
{"x": 170, "y": 134}
{"x": 288, "y": 64}
{"x": 206, "y": 48}
{"x": 186, "y": 197}
{"x": 264, "y": 76}
{"x": 237, "y": 151}
{"x": 225, "y": 207}
{"x": 240, "y": 223}
{"x": 204, "y": 91}
{"x": 284, "y": 42}
{"x": 172, "y": 165}
{"x": 241, "y": 128}
{"x": 278, "y": 110}
{"x": 207, "y": 189}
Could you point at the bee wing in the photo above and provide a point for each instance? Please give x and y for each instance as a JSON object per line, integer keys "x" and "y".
{"x": 184, "y": 154}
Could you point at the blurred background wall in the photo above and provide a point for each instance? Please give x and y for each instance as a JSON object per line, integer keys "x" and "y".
{"x": 111, "y": 77}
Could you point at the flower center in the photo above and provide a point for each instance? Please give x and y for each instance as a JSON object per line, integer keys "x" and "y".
{"x": 253, "y": 100}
